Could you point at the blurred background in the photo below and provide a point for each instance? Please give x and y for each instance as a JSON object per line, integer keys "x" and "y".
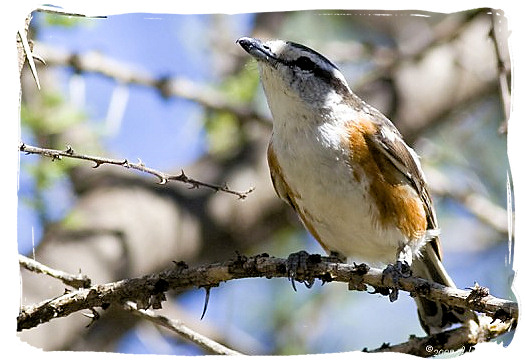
{"x": 175, "y": 91}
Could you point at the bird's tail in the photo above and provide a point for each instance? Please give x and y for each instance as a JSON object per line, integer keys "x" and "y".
{"x": 434, "y": 316}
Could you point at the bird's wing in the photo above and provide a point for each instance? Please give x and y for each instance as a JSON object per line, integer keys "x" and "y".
{"x": 390, "y": 150}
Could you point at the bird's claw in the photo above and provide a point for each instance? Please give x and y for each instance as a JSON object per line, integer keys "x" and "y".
{"x": 297, "y": 267}
{"x": 401, "y": 269}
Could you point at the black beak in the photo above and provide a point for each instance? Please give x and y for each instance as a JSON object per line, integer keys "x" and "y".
{"x": 256, "y": 48}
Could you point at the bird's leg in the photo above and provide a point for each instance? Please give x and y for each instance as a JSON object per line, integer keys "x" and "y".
{"x": 401, "y": 269}
{"x": 404, "y": 261}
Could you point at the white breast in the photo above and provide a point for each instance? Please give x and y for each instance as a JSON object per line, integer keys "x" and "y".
{"x": 314, "y": 162}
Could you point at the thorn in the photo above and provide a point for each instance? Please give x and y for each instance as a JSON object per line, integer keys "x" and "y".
{"x": 293, "y": 283}
{"x": 39, "y": 58}
{"x": 206, "y": 300}
{"x": 180, "y": 264}
{"x": 244, "y": 194}
{"x": 29, "y": 55}
{"x": 94, "y": 316}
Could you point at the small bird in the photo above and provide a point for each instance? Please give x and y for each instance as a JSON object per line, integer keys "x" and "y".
{"x": 345, "y": 169}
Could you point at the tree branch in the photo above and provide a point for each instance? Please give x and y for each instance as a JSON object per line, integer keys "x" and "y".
{"x": 139, "y": 166}
{"x": 75, "y": 281}
{"x": 183, "y": 330}
{"x": 459, "y": 339}
{"x": 82, "y": 281}
{"x": 149, "y": 290}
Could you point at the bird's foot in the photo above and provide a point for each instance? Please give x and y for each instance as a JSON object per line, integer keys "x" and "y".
{"x": 397, "y": 271}
{"x": 297, "y": 268}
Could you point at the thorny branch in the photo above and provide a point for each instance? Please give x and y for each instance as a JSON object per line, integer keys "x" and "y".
{"x": 82, "y": 281}
{"x": 139, "y": 166}
{"x": 462, "y": 339}
{"x": 150, "y": 290}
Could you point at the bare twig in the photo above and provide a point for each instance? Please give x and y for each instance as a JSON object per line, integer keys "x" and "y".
{"x": 75, "y": 281}
{"x": 149, "y": 290}
{"x": 183, "y": 330}
{"x": 82, "y": 281}
{"x": 139, "y": 166}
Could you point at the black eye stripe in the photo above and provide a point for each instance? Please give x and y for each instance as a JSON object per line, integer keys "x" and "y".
{"x": 309, "y": 65}
{"x": 310, "y": 50}
{"x": 305, "y": 63}
{"x": 323, "y": 74}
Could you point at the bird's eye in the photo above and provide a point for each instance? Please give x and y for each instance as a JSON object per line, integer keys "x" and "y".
{"x": 305, "y": 63}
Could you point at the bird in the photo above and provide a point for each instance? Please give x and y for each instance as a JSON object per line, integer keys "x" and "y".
{"x": 344, "y": 168}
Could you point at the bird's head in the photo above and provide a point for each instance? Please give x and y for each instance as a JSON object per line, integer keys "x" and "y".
{"x": 294, "y": 75}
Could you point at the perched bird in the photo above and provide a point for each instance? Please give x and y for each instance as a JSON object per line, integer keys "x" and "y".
{"x": 345, "y": 169}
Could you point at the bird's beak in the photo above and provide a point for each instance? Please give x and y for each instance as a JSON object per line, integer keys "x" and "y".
{"x": 256, "y": 49}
